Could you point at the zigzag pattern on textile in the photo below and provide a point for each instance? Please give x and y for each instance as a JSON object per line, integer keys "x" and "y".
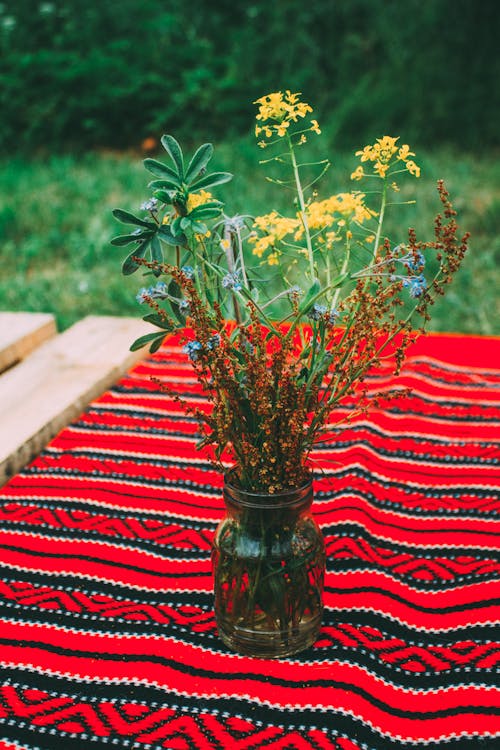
{"x": 107, "y": 632}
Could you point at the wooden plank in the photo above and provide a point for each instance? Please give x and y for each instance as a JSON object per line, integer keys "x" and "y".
{"x": 44, "y": 392}
{"x": 20, "y": 333}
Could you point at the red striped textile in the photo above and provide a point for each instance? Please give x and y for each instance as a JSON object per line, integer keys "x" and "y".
{"x": 107, "y": 633}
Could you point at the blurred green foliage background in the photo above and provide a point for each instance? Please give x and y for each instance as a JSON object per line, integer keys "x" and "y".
{"x": 112, "y": 72}
{"x": 85, "y": 83}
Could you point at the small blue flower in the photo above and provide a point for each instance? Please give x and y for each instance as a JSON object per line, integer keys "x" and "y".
{"x": 414, "y": 261}
{"x": 150, "y": 205}
{"x": 153, "y": 292}
{"x": 142, "y": 295}
{"x": 316, "y": 312}
{"x": 184, "y": 307}
{"x": 295, "y": 291}
{"x": 417, "y": 285}
{"x": 192, "y": 349}
{"x": 188, "y": 271}
{"x": 332, "y": 316}
{"x": 232, "y": 281}
{"x": 213, "y": 342}
{"x": 159, "y": 291}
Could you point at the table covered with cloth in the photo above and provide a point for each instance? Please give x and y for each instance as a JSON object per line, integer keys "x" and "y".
{"x": 107, "y": 631}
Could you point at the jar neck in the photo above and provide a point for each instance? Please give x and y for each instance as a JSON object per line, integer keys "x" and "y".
{"x": 297, "y": 499}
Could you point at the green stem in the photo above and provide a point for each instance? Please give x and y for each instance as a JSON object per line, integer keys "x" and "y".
{"x": 378, "y": 235}
{"x": 302, "y": 206}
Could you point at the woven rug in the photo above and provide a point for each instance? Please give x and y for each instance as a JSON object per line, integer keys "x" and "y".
{"x": 107, "y": 633}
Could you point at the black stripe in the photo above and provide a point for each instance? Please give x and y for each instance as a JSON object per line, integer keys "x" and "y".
{"x": 457, "y": 491}
{"x": 464, "y": 606}
{"x": 360, "y": 655}
{"x": 102, "y": 561}
{"x": 139, "y": 412}
{"x": 248, "y": 676}
{"x": 411, "y": 457}
{"x": 383, "y": 622}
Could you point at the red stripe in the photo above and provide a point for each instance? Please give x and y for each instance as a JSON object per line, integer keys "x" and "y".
{"x": 349, "y": 689}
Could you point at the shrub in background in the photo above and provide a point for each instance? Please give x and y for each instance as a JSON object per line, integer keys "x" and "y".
{"x": 77, "y": 73}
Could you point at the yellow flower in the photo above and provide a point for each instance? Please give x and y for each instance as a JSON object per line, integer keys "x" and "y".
{"x": 366, "y": 154}
{"x": 271, "y": 107}
{"x": 261, "y": 244}
{"x": 413, "y": 168}
{"x": 282, "y": 109}
{"x": 380, "y": 152}
{"x": 384, "y": 153}
{"x": 282, "y": 128}
{"x": 225, "y": 244}
{"x": 380, "y": 168}
{"x": 404, "y": 152}
{"x": 386, "y": 148}
{"x": 358, "y": 173}
{"x": 335, "y": 210}
{"x": 273, "y": 259}
{"x": 198, "y": 199}
{"x": 315, "y": 127}
{"x": 274, "y": 228}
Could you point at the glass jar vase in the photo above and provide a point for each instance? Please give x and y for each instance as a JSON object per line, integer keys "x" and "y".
{"x": 268, "y": 561}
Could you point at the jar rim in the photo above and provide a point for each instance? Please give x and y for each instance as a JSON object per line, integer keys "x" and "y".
{"x": 274, "y": 499}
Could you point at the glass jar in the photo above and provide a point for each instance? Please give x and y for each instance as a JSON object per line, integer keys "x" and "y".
{"x": 269, "y": 562}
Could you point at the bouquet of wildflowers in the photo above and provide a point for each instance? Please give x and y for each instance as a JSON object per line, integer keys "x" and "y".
{"x": 283, "y": 316}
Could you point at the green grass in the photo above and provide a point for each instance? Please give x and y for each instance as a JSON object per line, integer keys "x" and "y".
{"x": 56, "y": 223}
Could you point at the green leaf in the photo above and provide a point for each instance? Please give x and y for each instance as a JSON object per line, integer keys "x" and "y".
{"x": 129, "y": 264}
{"x": 165, "y": 234}
{"x": 199, "y": 227}
{"x": 163, "y": 196}
{"x": 175, "y": 226}
{"x": 339, "y": 280}
{"x": 158, "y": 321}
{"x": 156, "y": 338}
{"x": 162, "y": 170}
{"x": 126, "y": 239}
{"x": 174, "y": 290}
{"x": 168, "y": 184}
{"x": 311, "y": 294}
{"x": 156, "y": 344}
{"x": 127, "y": 218}
{"x": 199, "y": 161}
{"x": 209, "y": 180}
{"x": 206, "y": 211}
{"x": 238, "y": 355}
{"x": 156, "y": 254}
{"x": 175, "y": 152}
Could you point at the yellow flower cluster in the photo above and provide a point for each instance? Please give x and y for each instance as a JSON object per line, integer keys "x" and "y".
{"x": 322, "y": 214}
{"x": 275, "y": 227}
{"x": 198, "y": 199}
{"x": 281, "y": 109}
{"x": 383, "y": 154}
{"x": 337, "y": 212}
